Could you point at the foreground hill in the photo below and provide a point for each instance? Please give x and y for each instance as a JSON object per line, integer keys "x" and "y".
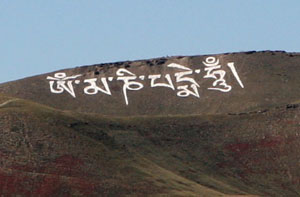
{"x": 50, "y": 152}
{"x": 47, "y": 152}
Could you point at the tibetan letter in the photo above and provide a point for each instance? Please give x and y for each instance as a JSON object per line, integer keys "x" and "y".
{"x": 129, "y": 84}
{"x": 212, "y": 66}
{"x": 94, "y": 89}
{"x": 167, "y": 85}
{"x": 184, "y": 90}
{"x": 63, "y": 83}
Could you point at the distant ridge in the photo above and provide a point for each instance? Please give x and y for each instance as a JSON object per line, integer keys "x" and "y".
{"x": 256, "y": 80}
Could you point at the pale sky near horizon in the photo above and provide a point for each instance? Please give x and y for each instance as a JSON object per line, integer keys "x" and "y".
{"x": 43, "y": 36}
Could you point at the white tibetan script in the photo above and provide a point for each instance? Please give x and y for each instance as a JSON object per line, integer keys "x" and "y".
{"x": 63, "y": 83}
{"x": 184, "y": 86}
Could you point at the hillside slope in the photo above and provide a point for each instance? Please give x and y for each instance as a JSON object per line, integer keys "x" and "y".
{"x": 49, "y": 152}
{"x": 209, "y": 84}
{"x": 214, "y": 125}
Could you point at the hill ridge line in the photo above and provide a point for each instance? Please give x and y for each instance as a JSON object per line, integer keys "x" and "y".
{"x": 7, "y": 102}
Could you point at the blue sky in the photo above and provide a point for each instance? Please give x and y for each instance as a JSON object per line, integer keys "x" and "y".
{"x": 43, "y": 36}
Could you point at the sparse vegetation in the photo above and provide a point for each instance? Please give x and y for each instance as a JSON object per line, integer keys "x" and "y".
{"x": 70, "y": 153}
{"x": 241, "y": 143}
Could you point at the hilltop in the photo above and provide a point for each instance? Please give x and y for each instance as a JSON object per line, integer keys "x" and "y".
{"x": 266, "y": 79}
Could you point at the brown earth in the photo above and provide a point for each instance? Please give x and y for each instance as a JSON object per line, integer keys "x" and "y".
{"x": 269, "y": 78}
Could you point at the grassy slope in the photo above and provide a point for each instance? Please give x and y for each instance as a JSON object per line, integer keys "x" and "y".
{"x": 255, "y": 153}
{"x": 57, "y": 152}
{"x": 47, "y": 152}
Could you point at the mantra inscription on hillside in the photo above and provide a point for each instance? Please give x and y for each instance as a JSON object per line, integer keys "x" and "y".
{"x": 131, "y": 82}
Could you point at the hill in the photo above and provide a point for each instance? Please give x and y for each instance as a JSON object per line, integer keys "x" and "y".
{"x": 49, "y": 152}
{"x": 240, "y": 137}
{"x": 210, "y": 84}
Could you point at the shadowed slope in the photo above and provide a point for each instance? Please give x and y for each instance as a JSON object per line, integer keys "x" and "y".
{"x": 257, "y": 152}
{"x": 45, "y": 151}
